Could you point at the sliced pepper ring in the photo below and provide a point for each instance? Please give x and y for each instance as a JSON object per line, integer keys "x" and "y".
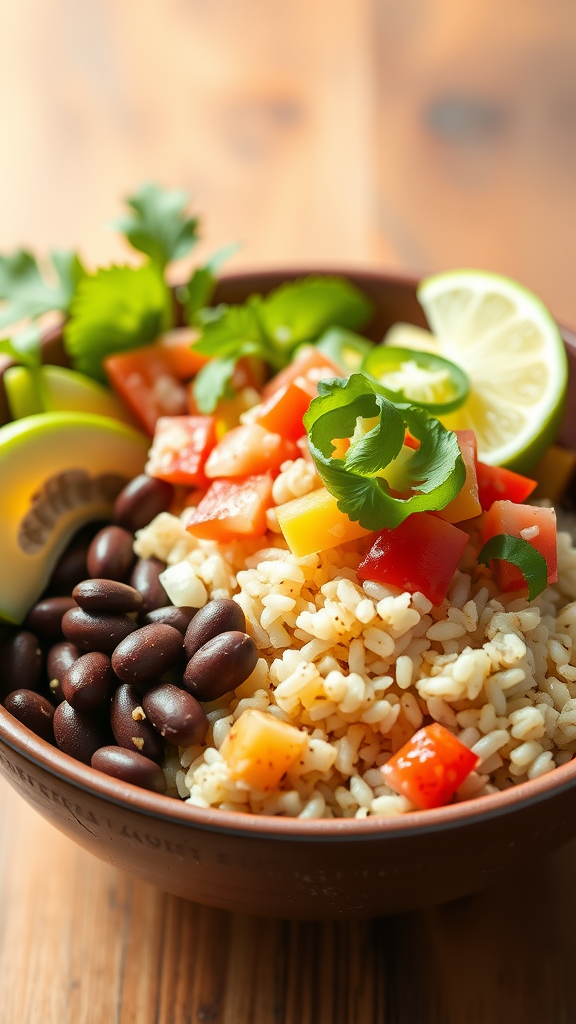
{"x": 385, "y": 362}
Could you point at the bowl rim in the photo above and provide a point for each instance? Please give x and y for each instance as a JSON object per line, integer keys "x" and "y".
{"x": 21, "y": 740}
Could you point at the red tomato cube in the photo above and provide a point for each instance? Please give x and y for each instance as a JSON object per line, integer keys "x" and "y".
{"x": 247, "y": 451}
{"x": 145, "y": 381}
{"x": 421, "y": 554}
{"x": 532, "y": 523}
{"x": 180, "y": 448}
{"x": 232, "y": 508}
{"x": 283, "y": 411}
{"x": 430, "y": 767}
{"x": 498, "y": 484}
{"x": 311, "y": 364}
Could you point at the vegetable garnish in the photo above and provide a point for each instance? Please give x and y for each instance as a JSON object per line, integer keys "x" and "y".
{"x": 421, "y": 378}
{"x": 432, "y": 475}
{"x": 523, "y": 555}
{"x": 115, "y": 309}
{"x": 271, "y": 328}
{"x": 158, "y": 225}
{"x": 27, "y": 295}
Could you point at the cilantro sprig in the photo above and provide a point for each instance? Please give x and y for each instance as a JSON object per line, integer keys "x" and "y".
{"x": 115, "y": 309}
{"x": 433, "y": 476}
{"x": 271, "y": 328}
{"x": 158, "y": 225}
{"x": 523, "y": 555}
{"x": 25, "y": 294}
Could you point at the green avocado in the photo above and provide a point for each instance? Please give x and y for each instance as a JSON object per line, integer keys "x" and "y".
{"x": 58, "y": 471}
{"x": 60, "y": 390}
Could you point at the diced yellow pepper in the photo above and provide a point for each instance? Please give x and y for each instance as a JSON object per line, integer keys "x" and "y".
{"x": 314, "y": 523}
{"x": 259, "y": 749}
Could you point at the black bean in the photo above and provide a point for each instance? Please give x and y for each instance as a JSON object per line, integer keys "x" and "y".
{"x": 110, "y": 554}
{"x": 179, "y": 618}
{"x": 20, "y": 663}
{"x": 60, "y": 658}
{"x": 130, "y": 726}
{"x": 88, "y": 681}
{"x": 107, "y": 596}
{"x": 96, "y": 631}
{"x": 216, "y": 617}
{"x": 141, "y": 500}
{"x": 33, "y": 710}
{"x": 147, "y": 653}
{"x": 129, "y": 766}
{"x": 177, "y": 715}
{"x": 72, "y": 565}
{"x": 145, "y": 580}
{"x": 78, "y": 733}
{"x": 45, "y": 618}
{"x": 220, "y": 665}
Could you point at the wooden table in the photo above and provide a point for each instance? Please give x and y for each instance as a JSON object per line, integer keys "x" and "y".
{"x": 405, "y": 134}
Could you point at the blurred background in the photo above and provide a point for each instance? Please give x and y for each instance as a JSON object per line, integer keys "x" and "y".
{"x": 420, "y": 134}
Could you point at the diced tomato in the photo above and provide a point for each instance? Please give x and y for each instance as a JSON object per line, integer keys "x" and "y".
{"x": 145, "y": 381}
{"x": 466, "y": 504}
{"x": 180, "y": 448}
{"x": 282, "y": 412}
{"x": 532, "y": 523}
{"x": 421, "y": 554}
{"x": 247, "y": 451}
{"x": 430, "y": 767}
{"x": 233, "y": 508}
{"x": 311, "y": 364}
{"x": 184, "y": 360}
{"x": 498, "y": 484}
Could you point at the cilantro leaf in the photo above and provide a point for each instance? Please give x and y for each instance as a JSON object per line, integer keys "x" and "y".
{"x": 522, "y": 554}
{"x": 213, "y": 382}
{"x": 115, "y": 309}
{"x": 301, "y": 310}
{"x": 26, "y": 293}
{"x": 197, "y": 294}
{"x": 228, "y": 334}
{"x": 435, "y": 472}
{"x": 158, "y": 225}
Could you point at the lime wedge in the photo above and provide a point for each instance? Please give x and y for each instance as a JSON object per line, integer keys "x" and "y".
{"x": 509, "y": 346}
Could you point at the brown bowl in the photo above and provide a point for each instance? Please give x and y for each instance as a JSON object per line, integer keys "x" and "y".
{"x": 282, "y": 867}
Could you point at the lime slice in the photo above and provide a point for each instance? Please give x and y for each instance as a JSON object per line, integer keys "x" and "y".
{"x": 509, "y": 346}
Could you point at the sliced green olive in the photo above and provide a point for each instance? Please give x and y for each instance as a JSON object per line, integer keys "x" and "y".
{"x": 420, "y": 378}
{"x": 345, "y": 348}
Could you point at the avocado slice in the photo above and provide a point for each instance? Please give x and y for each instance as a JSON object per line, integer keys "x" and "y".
{"x": 61, "y": 390}
{"x": 58, "y": 471}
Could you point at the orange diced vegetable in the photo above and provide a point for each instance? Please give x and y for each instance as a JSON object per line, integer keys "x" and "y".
{"x": 314, "y": 522}
{"x": 259, "y": 749}
{"x": 180, "y": 448}
{"x": 247, "y": 450}
{"x": 466, "y": 504}
{"x": 282, "y": 412}
{"x": 232, "y": 508}
{"x": 430, "y": 767}
{"x": 311, "y": 364}
{"x": 184, "y": 360}
{"x": 145, "y": 381}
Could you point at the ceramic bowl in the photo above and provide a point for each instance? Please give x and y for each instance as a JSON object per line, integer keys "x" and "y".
{"x": 290, "y": 868}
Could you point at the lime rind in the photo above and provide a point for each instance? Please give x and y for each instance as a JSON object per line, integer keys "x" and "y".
{"x": 504, "y": 337}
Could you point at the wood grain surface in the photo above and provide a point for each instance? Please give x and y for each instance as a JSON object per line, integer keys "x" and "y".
{"x": 415, "y": 134}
